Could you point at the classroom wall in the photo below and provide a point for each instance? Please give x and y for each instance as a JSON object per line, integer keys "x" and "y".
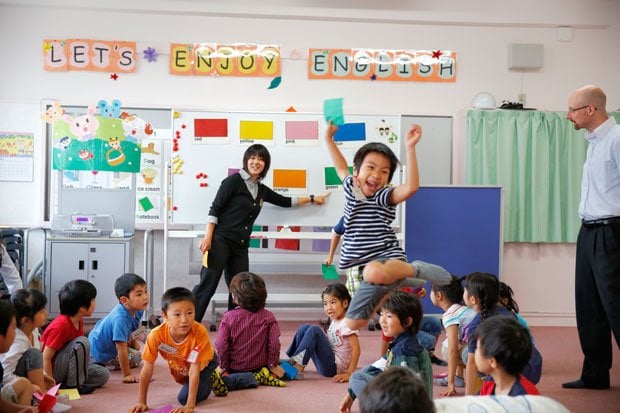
{"x": 479, "y": 31}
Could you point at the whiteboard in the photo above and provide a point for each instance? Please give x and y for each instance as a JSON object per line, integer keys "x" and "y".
{"x": 191, "y": 202}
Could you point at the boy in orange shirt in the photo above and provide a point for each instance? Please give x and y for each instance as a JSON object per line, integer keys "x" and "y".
{"x": 184, "y": 343}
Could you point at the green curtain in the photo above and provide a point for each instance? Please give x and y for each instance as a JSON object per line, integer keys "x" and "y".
{"x": 537, "y": 157}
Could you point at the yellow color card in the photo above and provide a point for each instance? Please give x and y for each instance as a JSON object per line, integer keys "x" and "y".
{"x": 289, "y": 178}
{"x": 256, "y": 130}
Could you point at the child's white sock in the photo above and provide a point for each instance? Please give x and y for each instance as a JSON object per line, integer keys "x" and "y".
{"x": 299, "y": 358}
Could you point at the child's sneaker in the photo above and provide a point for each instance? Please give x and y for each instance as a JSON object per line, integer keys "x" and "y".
{"x": 217, "y": 384}
{"x": 458, "y": 382}
{"x": 264, "y": 377}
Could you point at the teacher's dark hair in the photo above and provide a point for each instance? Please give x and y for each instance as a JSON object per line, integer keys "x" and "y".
{"x": 257, "y": 150}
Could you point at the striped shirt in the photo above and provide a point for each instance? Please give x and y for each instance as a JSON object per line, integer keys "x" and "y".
{"x": 459, "y": 315}
{"x": 369, "y": 234}
{"x": 247, "y": 341}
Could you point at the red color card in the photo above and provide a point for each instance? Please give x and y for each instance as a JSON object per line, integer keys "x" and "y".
{"x": 211, "y": 128}
{"x": 288, "y": 244}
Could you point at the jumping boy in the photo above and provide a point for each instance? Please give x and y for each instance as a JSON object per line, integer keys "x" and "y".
{"x": 16, "y": 395}
{"x": 504, "y": 348}
{"x": 115, "y": 338}
{"x": 66, "y": 351}
{"x": 184, "y": 343}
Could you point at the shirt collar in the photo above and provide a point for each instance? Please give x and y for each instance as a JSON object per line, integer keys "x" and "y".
{"x": 601, "y": 130}
{"x": 246, "y": 176}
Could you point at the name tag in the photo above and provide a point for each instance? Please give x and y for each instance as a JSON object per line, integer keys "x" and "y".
{"x": 193, "y": 356}
{"x": 166, "y": 348}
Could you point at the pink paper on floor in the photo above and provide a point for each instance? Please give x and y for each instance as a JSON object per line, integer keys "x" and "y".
{"x": 163, "y": 409}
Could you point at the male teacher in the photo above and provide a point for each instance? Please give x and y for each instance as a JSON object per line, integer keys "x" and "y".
{"x": 597, "y": 268}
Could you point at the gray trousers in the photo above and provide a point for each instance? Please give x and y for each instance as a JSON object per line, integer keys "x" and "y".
{"x": 72, "y": 368}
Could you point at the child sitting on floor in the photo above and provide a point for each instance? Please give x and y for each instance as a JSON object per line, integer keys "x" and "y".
{"x": 400, "y": 318}
{"x": 504, "y": 348}
{"x": 335, "y": 354}
{"x": 248, "y": 341}
{"x": 184, "y": 344}
{"x": 114, "y": 340}
{"x": 66, "y": 351}
{"x": 15, "y": 395}
{"x": 24, "y": 358}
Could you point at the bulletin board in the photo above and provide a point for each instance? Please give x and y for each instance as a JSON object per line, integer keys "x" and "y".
{"x": 210, "y": 146}
{"x": 457, "y": 227}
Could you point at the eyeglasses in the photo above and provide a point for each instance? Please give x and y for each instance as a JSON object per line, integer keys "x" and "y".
{"x": 571, "y": 110}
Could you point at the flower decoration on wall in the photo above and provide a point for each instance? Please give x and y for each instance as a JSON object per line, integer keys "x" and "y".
{"x": 150, "y": 54}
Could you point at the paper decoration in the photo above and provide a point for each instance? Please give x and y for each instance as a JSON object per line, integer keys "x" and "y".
{"x": 332, "y": 109}
{"x": 150, "y": 54}
{"x": 209, "y": 59}
{"x": 382, "y": 65}
{"x": 204, "y": 128}
{"x": 275, "y": 82}
{"x": 16, "y": 156}
{"x": 91, "y": 55}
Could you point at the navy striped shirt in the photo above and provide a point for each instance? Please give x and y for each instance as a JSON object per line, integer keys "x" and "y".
{"x": 368, "y": 232}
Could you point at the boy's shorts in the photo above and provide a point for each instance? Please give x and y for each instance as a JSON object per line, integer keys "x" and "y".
{"x": 8, "y": 393}
{"x": 135, "y": 357}
{"x": 354, "y": 279}
{"x": 367, "y": 298}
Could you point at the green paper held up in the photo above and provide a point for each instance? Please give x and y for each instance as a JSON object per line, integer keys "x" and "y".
{"x": 329, "y": 272}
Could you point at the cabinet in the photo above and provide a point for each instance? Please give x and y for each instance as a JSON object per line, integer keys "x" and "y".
{"x": 100, "y": 261}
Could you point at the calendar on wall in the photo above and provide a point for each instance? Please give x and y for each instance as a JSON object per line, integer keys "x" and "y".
{"x": 16, "y": 156}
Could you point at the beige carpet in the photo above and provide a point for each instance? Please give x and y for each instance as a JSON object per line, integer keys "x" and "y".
{"x": 559, "y": 345}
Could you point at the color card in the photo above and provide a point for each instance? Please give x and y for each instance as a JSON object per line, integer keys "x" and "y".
{"x": 256, "y": 129}
{"x": 259, "y": 243}
{"x": 350, "y": 132}
{"x": 332, "y": 109}
{"x": 288, "y": 244}
{"x": 329, "y": 272}
{"x": 331, "y": 176}
{"x": 289, "y": 178}
{"x": 232, "y": 171}
{"x": 210, "y": 128}
{"x": 301, "y": 129}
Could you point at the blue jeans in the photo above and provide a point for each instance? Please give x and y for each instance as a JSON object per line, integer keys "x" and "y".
{"x": 430, "y": 328}
{"x": 240, "y": 380}
{"x": 313, "y": 340}
{"x": 204, "y": 386}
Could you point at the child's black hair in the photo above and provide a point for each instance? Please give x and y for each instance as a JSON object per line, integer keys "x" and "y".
{"x": 339, "y": 291}
{"x": 74, "y": 295}
{"x": 396, "y": 390}
{"x": 375, "y": 147}
{"x": 453, "y": 291}
{"x": 174, "y": 295}
{"x": 404, "y": 305}
{"x": 7, "y": 314}
{"x": 257, "y": 150}
{"x": 127, "y": 282}
{"x": 27, "y": 303}
{"x": 248, "y": 291}
{"x": 506, "y": 296}
{"x": 507, "y": 341}
{"x": 485, "y": 287}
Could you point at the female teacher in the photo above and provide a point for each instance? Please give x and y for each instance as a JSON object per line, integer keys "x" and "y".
{"x": 227, "y": 236}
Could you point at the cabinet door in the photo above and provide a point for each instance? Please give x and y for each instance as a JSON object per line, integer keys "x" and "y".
{"x": 69, "y": 261}
{"x": 106, "y": 264}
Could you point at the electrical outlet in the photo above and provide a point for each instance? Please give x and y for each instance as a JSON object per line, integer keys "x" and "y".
{"x": 522, "y": 98}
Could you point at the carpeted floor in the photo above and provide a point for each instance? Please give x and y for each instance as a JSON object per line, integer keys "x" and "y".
{"x": 559, "y": 346}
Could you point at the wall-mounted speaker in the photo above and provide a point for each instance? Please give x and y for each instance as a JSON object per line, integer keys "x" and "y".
{"x": 525, "y": 56}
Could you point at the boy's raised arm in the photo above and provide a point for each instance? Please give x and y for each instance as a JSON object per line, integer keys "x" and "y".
{"x": 340, "y": 163}
{"x": 412, "y": 181}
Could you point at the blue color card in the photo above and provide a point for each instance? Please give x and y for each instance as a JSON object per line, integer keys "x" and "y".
{"x": 350, "y": 132}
